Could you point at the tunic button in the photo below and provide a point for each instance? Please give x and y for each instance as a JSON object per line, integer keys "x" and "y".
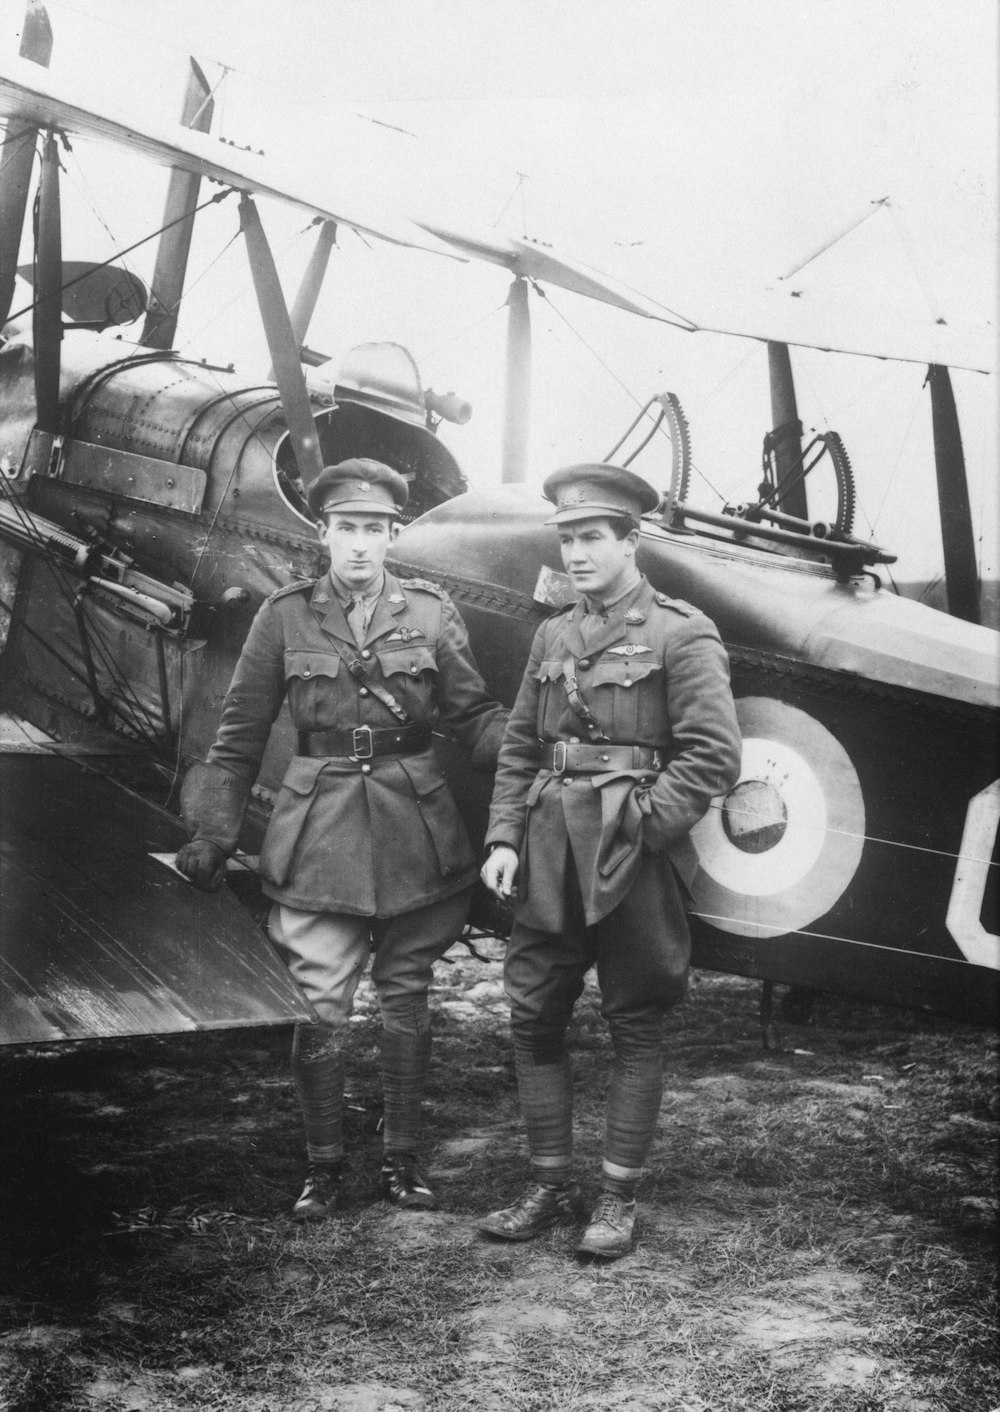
{"x": 363, "y": 691}
{"x": 584, "y": 663}
{"x": 366, "y": 769}
{"x": 627, "y": 681}
{"x": 413, "y": 670}
{"x": 305, "y": 671}
{"x": 567, "y": 780}
{"x": 366, "y": 654}
{"x": 574, "y": 740}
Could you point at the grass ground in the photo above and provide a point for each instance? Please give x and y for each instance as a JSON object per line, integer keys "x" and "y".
{"x": 817, "y": 1227}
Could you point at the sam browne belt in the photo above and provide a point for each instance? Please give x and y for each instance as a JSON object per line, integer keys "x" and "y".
{"x": 362, "y": 742}
{"x": 565, "y": 758}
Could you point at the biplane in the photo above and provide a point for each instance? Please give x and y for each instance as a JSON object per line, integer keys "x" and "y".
{"x": 149, "y": 501}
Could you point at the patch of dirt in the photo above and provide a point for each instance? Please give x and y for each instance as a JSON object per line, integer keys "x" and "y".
{"x": 814, "y": 1230}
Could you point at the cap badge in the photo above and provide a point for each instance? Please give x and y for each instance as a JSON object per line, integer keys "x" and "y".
{"x": 364, "y": 487}
{"x": 573, "y": 497}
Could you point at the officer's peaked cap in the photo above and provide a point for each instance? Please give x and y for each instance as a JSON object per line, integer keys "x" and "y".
{"x": 595, "y": 489}
{"x": 358, "y": 486}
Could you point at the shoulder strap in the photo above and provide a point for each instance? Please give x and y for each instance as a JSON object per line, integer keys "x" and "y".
{"x": 591, "y": 725}
{"x": 299, "y": 586}
{"x": 360, "y": 674}
{"x": 426, "y": 585}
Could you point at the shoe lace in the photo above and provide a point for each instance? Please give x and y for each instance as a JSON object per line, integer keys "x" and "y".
{"x": 610, "y": 1207}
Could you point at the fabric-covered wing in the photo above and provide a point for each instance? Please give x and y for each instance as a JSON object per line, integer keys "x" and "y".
{"x": 29, "y": 94}
{"x": 100, "y": 939}
{"x": 536, "y": 262}
{"x": 780, "y": 314}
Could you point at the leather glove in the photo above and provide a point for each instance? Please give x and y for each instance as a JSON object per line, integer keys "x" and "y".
{"x": 202, "y": 863}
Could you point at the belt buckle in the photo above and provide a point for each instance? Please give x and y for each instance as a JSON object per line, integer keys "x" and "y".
{"x": 559, "y": 760}
{"x": 358, "y": 750}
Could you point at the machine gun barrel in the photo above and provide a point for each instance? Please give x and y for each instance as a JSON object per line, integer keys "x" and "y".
{"x": 169, "y": 604}
{"x": 843, "y": 548}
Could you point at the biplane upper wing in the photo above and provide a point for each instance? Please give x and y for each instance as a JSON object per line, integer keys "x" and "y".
{"x": 99, "y": 937}
{"x": 779, "y": 314}
{"x": 783, "y": 313}
{"x": 30, "y": 94}
{"x": 537, "y": 262}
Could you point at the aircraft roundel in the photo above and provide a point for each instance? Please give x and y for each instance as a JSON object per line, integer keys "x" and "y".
{"x": 778, "y": 850}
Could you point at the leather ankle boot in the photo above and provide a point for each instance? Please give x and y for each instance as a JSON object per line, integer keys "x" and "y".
{"x": 609, "y": 1234}
{"x": 535, "y": 1210}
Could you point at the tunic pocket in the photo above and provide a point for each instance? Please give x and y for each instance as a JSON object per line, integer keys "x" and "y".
{"x": 440, "y": 814}
{"x": 288, "y": 821}
{"x": 307, "y": 663}
{"x": 405, "y": 659}
{"x": 620, "y": 671}
{"x": 624, "y": 694}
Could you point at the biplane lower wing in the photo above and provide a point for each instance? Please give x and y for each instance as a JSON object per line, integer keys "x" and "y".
{"x": 98, "y": 937}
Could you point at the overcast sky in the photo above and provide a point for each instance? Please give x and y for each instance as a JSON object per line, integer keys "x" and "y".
{"x": 686, "y": 147}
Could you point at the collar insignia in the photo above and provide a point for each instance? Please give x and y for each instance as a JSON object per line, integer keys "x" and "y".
{"x": 629, "y": 649}
{"x": 396, "y": 598}
{"x": 635, "y": 615}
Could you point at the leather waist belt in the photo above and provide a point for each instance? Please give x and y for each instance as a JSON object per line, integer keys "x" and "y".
{"x": 565, "y": 758}
{"x": 362, "y": 742}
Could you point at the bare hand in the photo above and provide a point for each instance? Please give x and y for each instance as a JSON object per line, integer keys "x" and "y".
{"x": 499, "y": 872}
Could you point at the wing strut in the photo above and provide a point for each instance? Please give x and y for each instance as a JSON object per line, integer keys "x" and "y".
{"x": 160, "y": 327}
{"x": 282, "y": 345}
{"x": 47, "y": 314}
{"x": 15, "y": 168}
{"x": 517, "y": 412}
{"x": 312, "y": 281}
{"x": 961, "y": 578}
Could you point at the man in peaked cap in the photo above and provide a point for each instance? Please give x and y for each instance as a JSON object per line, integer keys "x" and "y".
{"x": 622, "y": 733}
{"x": 365, "y": 847}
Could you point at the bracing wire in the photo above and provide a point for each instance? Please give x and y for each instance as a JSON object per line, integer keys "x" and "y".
{"x": 518, "y": 186}
{"x": 130, "y": 722}
{"x": 103, "y": 650}
{"x": 826, "y": 829}
{"x": 191, "y": 338}
{"x": 427, "y": 355}
{"x": 611, "y": 373}
{"x": 212, "y": 200}
{"x": 873, "y": 523}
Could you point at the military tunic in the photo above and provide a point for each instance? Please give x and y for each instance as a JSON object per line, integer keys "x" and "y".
{"x": 376, "y": 837}
{"x": 656, "y": 675}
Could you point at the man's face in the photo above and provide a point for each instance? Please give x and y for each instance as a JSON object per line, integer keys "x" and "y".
{"x": 599, "y": 564}
{"x": 357, "y": 545}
